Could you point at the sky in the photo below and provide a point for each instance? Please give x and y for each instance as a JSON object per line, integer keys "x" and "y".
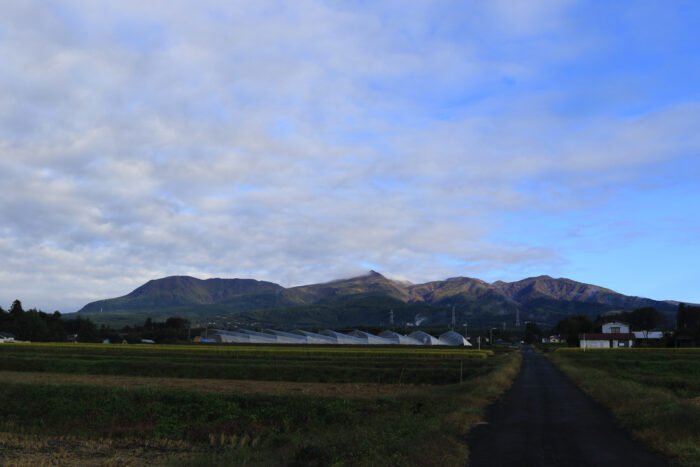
{"x": 306, "y": 141}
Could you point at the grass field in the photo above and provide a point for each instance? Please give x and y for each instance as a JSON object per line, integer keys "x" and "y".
{"x": 243, "y": 405}
{"x": 654, "y": 393}
{"x": 391, "y": 365}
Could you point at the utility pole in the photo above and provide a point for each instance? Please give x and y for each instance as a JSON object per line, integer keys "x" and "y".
{"x": 453, "y": 317}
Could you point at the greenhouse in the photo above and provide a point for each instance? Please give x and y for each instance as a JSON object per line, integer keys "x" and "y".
{"x": 371, "y": 339}
{"x": 341, "y": 338}
{"x": 399, "y": 339}
{"x": 454, "y": 338}
{"x": 426, "y": 339}
{"x": 328, "y": 336}
{"x": 288, "y": 337}
{"x": 314, "y": 338}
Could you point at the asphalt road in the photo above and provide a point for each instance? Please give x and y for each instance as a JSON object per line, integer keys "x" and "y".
{"x": 545, "y": 420}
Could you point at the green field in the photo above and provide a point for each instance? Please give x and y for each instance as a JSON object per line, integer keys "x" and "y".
{"x": 654, "y": 393}
{"x": 675, "y": 370}
{"x": 77, "y": 403}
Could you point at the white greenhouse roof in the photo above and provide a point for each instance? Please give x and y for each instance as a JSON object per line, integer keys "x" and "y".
{"x": 454, "y": 338}
{"x": 425, "y": 338}
{"x": 343, "y": 338}
{"x": 315, "y": 338}
{"x": 328, "y": 336}
{"x": 399, "y": 339}
{"x": 371, "y": 338}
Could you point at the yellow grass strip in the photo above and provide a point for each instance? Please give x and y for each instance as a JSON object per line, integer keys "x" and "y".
{"x": 691, "y": 350}
{"x": 210, "y": 385}
{"x": 384, "y": 350}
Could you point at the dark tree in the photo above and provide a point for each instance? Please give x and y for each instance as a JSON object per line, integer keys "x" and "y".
{"x": 4, "y": 319}
{"x": 688, "y": 322}
{"x": 87, "y": 331}
{"x": 532, "y": 333}
{"x": 646, "y": 318}
{"x": 572, "y": 326}
{"x": 641, "y": 319}
{"x": 16, "y": 308}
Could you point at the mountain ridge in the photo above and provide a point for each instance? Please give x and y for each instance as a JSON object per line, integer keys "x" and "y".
{"x": 540, "y": 299}
{"x": 181, "y": 290}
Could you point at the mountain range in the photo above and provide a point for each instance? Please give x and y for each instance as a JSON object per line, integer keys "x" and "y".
{"x": 368, "y": 300}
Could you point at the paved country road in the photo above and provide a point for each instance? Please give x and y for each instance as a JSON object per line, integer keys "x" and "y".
{"x": 545, "y": 420}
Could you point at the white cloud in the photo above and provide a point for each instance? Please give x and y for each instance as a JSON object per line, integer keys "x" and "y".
{"x": 287, "y": 143}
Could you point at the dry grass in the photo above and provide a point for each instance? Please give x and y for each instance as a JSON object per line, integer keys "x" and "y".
{"x": 486, "y": 391}
{"x": 221, "y": 386}
{"x": 474, "y": 398}
{"x": 31, "y": 450}
{"x": 659, "y": 418}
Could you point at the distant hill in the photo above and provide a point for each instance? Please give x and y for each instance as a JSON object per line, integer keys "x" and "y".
{"x": 179, "y": 291}
{"x": 365, "y": 300}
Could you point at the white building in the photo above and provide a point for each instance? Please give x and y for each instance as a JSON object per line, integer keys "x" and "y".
{"x": 616, "y": 327}
{"x": 614, "y": 335}
{"x": 7, "y": 337}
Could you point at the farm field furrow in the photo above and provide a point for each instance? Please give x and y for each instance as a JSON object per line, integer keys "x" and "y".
{"x": 244, "y": 405}
{"x": 210, "y": 385}
{"x": 344, "y": 365}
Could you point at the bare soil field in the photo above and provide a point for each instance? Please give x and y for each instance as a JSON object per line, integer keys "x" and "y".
{"x": 222, "y": 386}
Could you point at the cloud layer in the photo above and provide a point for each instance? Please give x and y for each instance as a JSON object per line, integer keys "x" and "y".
{"x": 308, "y": 141}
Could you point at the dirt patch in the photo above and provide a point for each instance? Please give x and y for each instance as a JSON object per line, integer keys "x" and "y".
{"x": 210, "y": 385}
{"x": 27, "y": 450}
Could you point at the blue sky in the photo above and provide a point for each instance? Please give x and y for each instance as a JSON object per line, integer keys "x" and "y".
{"x": 306, "y": 141}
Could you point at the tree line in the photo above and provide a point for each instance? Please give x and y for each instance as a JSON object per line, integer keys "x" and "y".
{"x": 37, "y": 326}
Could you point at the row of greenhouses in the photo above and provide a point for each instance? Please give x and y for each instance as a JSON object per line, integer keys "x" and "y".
{"x": 387, "y": 337}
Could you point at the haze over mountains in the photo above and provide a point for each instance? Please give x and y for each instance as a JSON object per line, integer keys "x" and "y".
{"x": 365, "y": 300}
